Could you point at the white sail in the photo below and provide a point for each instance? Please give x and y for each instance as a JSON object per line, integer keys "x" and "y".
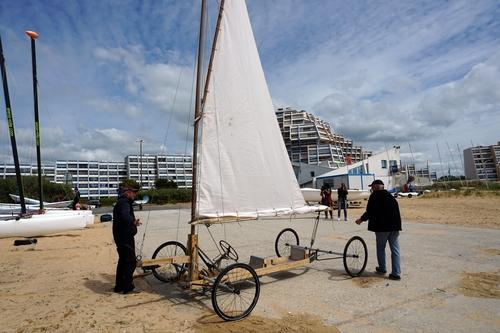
{"x": 244, "y": 169}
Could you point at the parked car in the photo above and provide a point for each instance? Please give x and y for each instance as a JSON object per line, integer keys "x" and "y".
{"x": 409, "y": 194}
{"x": 94, "y": 203}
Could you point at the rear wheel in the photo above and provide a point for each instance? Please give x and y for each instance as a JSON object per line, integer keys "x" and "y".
{"x": 235, "y": 292}
{"x": 169, "y": 272}
{"x": 285, "y": 238}
{"x": 355, "y": 256}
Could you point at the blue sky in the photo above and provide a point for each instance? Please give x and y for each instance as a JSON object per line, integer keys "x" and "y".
{"x": 410, "y": 73}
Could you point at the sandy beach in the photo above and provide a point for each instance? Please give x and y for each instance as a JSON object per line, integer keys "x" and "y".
{"x": 63, "y": 284}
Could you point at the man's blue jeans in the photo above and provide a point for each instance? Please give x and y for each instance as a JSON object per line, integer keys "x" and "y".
{"x": 392, "y": 237}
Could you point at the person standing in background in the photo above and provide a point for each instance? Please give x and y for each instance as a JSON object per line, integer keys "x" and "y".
{"x": 326, "y": 199}
{"x": 76, "y": 200}
{"x": 124, "y": 229}
{"x": 342, "y": 201}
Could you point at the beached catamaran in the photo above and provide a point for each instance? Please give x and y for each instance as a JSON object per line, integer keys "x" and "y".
{"x": 241, "y": 172}
{"x": 42, "y": 222}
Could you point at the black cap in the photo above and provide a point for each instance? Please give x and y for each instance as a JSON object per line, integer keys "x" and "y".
{"x": 376, "y": 182}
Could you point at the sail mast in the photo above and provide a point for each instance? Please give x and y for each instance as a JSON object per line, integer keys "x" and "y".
{"x": 199, "y": 101}
{"x": 33, "y": 36}
{"x": 193, "y": 238}
{"x": 197, "y": 112}
{"x": 12, "y": 134}
{"x": 212, "y": 55}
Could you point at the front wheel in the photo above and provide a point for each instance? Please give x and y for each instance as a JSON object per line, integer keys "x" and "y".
{"x": 355, "y": 256}
{"x": 169, "y": 272}
{"x": 285, "y": 238}
{"x": 235, "y": 292}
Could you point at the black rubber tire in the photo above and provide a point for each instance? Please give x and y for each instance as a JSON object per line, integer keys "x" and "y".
{"x": 169, "y": 272}
{"x": 410, "y": 196}
{"x": 355, "y": 266}
{"x": 234, "y": 292}
{"x": 285, "y": 236}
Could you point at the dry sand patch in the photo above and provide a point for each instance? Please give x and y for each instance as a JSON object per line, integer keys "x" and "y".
{"x": 302, "y": 323}
{"x": 482, "y": 212}
{"x": 367, "y": 281}
{"x": 482, "y": 284}
{"x": 491, "y": 252}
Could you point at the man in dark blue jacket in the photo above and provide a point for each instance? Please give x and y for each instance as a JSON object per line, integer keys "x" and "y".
{"x": 382, "y": 213}
{"x": 124, "y": 229}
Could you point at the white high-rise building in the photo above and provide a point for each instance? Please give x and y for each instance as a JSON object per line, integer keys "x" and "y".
{"x": 310, "y": 140}
{"x": 96, "y": 179}
{"x": 482, "y": 162}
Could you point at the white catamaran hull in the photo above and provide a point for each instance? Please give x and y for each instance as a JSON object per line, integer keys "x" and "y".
{"x": 86, "y": 214}
{"x": 10, "y": 211}
{"x": 29, "y": 201}
{"x": 42, "y": 224}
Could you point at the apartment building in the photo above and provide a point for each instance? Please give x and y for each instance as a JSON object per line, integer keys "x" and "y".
{"x": 147, "y": 169}
{"x": 309, "y": 139}
{"x": 482, "y": 162}
{"x": 411, "y": 170}
{"x": 97, "y": 179}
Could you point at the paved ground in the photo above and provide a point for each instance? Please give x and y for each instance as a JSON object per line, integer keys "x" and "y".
{"x": 427, "y": 299}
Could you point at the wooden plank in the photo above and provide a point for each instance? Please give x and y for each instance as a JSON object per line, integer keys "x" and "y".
{"x": 278, "y": 260}
{"x": 222, "y": 219}
{"x": 241, "y": 274}
{"x": 166, "y": 260}
{"x": 193, "y": 253}
{"x": 282, "y": 267}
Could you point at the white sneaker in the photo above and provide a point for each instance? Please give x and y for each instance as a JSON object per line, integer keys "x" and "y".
{"x": 338, "y": 218}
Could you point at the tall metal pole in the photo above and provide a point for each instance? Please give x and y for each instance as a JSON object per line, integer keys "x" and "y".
{"x": 12, "y": 134}
{"x": 141, "y": 141}
{"x": 33, "y": 36}
{"x": 441, "y": 165}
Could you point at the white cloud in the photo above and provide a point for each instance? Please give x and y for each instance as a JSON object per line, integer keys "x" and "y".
{"x": 382, "y": 73}
{"x": 476, "y": 95}
{"x": 116, "y": 105}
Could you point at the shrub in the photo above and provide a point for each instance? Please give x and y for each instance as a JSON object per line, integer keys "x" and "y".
{"x": 51, "y": 191}
{"x": 167, "y": 195}
{"x": 107, "y": 202}
{"x": 161, "y": 183}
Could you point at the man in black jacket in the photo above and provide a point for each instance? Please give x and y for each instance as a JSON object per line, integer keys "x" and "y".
{"x": 382, "y": 213}
{"x": 124, "y": 229}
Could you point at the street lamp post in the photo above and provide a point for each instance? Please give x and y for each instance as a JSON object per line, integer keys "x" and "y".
{"x": 141, "y": 141}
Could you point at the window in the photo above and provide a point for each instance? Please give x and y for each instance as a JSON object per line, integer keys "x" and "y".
{"x": 312, "y": 174}
{"x": 384, "y": 164}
